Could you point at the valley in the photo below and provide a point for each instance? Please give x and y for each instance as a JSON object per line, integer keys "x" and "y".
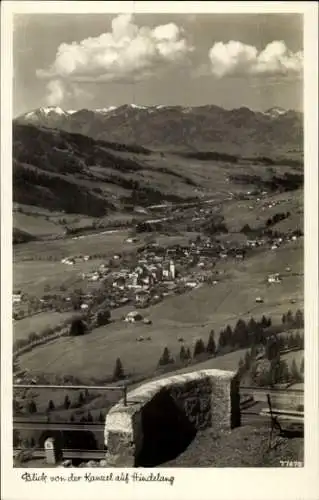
{"x": 156, "y": 253}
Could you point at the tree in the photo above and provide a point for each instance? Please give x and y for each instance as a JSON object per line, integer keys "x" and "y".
{"x": 118, "y": 370}
{"x": 240, "y": 336}
{"x": 188, "y": 353}
{"x": 246, "y": 229}
{"x": 247, "y": 360}
{"x": 252, "y": 325}
{"x": 51, "y": 406}
{"x": 264, "y": 321}
{"x": 211, "y": 344}
{"x": 302, "y": 366}
{"x": 182, "y": 354}
{"x": 228, "y": 335}
{"x": 77, "y": 327}
{"x": 291, "y": 341}
{"x": 295, "y": 374}
{"x": 81, "y": 398}
{"x": 89, "y": 417}
{"x": 166, "y": 358}
{"x": 299, "y": 341}
{"x": 32, "y": 442}
{"x": 16, "y": 438}
{"x": 101, "y": 417}
{"x": 72, "y": 419}
{"x": 299, "y": 319}
{"x": 33, "y": 337}
{"x": 289, "y": 318}
{"x": 221, "y": 340}
{"x": 199, "y": 348}
{"x": 67, "y": 402}
{"x": 272, "y": 349}
{"x": 32, "y": 407}
{"x": 103, "y": 317}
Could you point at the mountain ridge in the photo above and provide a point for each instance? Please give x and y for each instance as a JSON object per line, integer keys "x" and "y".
{"x": 210, "y": 127}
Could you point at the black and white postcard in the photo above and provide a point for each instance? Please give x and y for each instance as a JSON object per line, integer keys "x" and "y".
{"x": 159, "y": 243}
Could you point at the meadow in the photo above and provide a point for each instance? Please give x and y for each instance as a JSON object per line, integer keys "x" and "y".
{"x": 189, "y": 316}
{"x": 38, "y": 322}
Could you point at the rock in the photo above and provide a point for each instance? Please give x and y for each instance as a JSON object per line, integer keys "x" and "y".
{"x": 92, "y": 463}
{"x": 103, "y": 463}
{"x": 67, "y": 463}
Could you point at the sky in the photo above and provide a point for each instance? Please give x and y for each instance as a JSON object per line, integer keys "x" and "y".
{"x": 94, "y": 61}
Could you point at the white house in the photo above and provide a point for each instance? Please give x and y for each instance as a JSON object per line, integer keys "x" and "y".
{"x": 133, "y": 316}
{"x": 172, "y": 269}
{"x": 16, "y": 298}
{"x": 274, "y": 278}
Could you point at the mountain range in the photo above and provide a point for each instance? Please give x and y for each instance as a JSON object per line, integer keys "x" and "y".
{"x": 275, "y": 132}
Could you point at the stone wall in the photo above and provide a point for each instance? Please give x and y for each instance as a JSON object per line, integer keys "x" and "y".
{"x": 163, "y": 416}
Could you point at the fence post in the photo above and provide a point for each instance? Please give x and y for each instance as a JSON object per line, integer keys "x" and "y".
{"x": 125, "y": 394}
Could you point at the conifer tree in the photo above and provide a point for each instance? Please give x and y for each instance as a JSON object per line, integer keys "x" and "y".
{"x": 51, "y": 406}
{"x": 118, "y": 370}
{"x": 251, "y": 325}
{"x": 211, "y": 345}
{"x": 67, "y": 402}
{"x": 289, "y": 318}
{"x": 32, "y": 407}
{"x": 199, "y": 348}
{"x": 182, "y": 354}
{"x": 81, "y": 398}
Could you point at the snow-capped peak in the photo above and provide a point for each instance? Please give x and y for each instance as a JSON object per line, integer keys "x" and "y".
{"x": 105, "y": 110}
{"x": 136, "y": 106}
{"x": 52, "y": 109}
{"x": 275, "y": 112}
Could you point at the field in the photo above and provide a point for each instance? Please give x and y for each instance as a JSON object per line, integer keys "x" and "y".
{"x": 39, "y": 277}
{"x": 188, "y": 316}
{"x": 38, "y": 322}
{"x": 36, "y": 225}
{"x": 255, "y": 213}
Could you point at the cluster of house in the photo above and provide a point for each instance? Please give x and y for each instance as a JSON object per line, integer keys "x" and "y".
{"x": 158, "y": 271}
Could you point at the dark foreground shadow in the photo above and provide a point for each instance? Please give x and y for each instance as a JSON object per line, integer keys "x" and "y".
{"x": 167, "y": 432}
{"x": 294, "y": 430}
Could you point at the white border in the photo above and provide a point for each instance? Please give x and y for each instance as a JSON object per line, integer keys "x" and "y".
{"x": 194, "y": 483}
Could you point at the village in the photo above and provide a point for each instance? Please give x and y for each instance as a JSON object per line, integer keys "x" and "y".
{"x": 146, "y": 277}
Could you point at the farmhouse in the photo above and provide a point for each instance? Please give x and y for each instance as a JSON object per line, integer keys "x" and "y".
{"x": 16, "y": 298}
{"x": 141, "y": 296}
{"x": 119, "y": 283}
{"x": 133, "y": 316}
{"x": 274, "y": 278}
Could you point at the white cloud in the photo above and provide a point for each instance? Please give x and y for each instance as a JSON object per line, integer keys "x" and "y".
{"x": 127, "y": 53}
{"x": 56, "y": 92}
{"x": 236, "y": 58}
